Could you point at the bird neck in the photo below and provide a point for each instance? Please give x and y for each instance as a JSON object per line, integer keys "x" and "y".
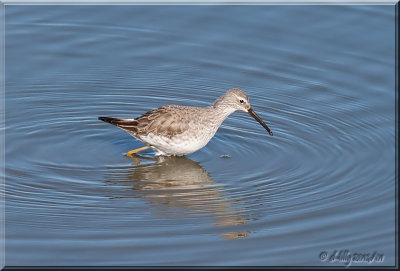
{"x": 222, "y": 107}
{"x": 219, "y": 112}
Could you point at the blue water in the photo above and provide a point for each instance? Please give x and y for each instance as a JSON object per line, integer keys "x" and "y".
{"x": 322, "y": 77}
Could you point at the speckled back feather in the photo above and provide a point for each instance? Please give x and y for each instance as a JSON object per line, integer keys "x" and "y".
{"x": 165, "y": 121}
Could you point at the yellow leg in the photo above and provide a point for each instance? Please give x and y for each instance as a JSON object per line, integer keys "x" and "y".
{"x": 137, "y": 160}
{"x": 129, "y": 153}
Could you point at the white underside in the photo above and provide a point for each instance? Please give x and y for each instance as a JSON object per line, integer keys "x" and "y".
{"x": 179, "y": 145}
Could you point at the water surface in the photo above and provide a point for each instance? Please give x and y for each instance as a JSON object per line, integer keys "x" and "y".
{"x": 322, "y": 77}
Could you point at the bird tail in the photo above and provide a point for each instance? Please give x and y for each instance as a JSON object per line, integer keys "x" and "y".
{"x": 127, "y": 124}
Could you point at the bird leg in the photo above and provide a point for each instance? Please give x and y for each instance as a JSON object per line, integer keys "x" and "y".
{"x": 137, "y": 160}
{"x": 129, "y": 153}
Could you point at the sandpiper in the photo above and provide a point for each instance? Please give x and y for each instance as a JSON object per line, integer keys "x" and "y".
{"x": 180, "y": 130}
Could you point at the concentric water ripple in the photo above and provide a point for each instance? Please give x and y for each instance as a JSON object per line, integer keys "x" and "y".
{"x": 319, "y": 184}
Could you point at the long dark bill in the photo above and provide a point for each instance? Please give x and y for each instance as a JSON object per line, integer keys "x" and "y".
{"x": 257, "y": 118}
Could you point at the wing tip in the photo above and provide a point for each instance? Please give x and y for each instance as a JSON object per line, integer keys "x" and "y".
{"x": 122, "y": 123}
{"x": 106, "y": 119}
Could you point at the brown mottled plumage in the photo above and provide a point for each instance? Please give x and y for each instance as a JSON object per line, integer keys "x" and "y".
{"x": 179, "y": 130}
{"x": 167, "y": 121}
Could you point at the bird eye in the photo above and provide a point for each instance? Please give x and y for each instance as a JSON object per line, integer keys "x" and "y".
{"x": 241, "y": 101}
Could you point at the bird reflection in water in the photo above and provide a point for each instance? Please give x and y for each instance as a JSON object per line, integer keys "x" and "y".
{"x": 179, "y": 185}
